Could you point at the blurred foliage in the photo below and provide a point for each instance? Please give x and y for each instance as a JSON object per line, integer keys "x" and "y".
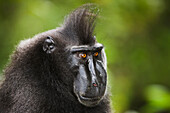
{"x": 136, "y": 35}
{"x": 158, "y": 99}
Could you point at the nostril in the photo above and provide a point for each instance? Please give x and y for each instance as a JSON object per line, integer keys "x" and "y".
{"x": 95, "y": 85}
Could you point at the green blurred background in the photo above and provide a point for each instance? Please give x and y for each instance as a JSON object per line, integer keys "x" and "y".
{"x": 136, "y": 35}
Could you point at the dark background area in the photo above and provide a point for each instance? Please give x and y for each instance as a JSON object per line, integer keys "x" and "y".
{"x": 136, "y": 36}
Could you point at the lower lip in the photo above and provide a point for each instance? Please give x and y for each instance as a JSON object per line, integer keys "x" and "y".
{"x": 89, "y": 99}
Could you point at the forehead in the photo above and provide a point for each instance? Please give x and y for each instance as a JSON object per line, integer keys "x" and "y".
{"x": 95, "y": 47}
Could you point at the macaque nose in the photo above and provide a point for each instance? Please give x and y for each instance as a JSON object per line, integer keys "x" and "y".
{"x": 95, "y": 85}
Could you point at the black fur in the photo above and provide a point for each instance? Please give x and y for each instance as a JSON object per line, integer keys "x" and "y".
{"x": 36, "y": 82}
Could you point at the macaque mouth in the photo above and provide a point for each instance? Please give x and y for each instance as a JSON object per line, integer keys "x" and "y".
{"x": 89, "y": 101}
{"x": 89, "y": 98}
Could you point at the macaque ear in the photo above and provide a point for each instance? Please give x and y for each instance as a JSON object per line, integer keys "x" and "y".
{"x": 49, "y": 45}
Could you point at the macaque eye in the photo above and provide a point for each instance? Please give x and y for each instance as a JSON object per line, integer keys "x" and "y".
{"x": 82, "y": 55}
{"x": 96, "y": 54}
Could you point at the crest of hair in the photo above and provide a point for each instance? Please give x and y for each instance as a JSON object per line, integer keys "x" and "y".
{"x": 79, "y": 25}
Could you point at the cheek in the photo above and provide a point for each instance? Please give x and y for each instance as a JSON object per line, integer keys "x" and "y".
{"x": 104, "y": 59}
{"x": 81, "y": 80}
{"x": 101, "y": 72}
{"x": 73, "y": 64}
{"x": 74, "y": 61}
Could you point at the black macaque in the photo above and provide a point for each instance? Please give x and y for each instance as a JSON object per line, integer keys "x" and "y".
{"x": 59, "y": 71}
